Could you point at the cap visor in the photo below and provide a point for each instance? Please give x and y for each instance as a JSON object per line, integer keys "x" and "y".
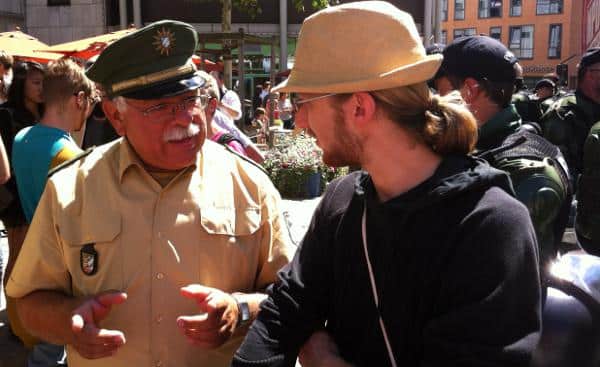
{"x": 167, "y": 89}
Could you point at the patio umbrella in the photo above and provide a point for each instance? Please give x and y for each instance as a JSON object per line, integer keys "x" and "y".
{"x": 24, "y": 46}
{"x": 88, "y": 47}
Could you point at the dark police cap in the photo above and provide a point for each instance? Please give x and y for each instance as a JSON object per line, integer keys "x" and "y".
{"x": 591, "y": 56}
{"x": 152, "y": 62}
{"x": 479, "y": 57}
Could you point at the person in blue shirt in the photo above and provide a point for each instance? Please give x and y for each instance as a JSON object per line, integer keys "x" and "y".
{"x": 70, "y": 97}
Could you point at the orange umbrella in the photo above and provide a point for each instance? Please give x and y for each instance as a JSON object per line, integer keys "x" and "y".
{"x": 88, "y": 47}
{"x": 24, "y": 46}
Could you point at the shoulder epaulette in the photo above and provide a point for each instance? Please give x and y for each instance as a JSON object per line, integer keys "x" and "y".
{"x": 66, "y": 164}
{"x": 245, "y": 158}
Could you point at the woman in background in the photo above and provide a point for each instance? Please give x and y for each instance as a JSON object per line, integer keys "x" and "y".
{"x": 23, "y": 108}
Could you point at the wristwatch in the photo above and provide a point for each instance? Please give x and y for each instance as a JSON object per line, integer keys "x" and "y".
{"x": 243, "y": 310}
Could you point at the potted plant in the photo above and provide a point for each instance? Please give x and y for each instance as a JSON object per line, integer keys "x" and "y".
{"x": 295, "y": 165}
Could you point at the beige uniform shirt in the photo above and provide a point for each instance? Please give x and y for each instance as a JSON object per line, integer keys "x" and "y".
{"x": 216, "y": 223}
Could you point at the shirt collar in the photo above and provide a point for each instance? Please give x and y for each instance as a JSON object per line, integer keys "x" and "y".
{"x": 128, "y": 158}
{"x": 498, "y": 127}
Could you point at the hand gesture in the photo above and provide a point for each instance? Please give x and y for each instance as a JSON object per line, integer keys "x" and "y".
{"x": 88, "y": 339}
{"x": 217, "y": 322}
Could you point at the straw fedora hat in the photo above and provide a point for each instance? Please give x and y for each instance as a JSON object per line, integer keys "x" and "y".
{"x": 360, "y": 46}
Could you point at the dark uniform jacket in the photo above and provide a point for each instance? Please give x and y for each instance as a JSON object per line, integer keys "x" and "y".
{"x": 587, "y": 223}
{"x": 567, "y": 124}
{"x": 455, "y": 263}
{"x": 539, "y": 179}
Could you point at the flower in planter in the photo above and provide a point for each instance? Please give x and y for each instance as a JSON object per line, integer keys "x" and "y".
{"x": 295, "y": 165}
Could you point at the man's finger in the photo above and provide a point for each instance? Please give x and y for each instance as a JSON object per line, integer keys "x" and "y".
{"x": 196, "y": 291}
{"x": 110, "y": 298}
{"x": 77, "y": 323}
{"x": 90, "y": 334}
{"x": 198, "y": 322}
{"x": 202, "y": 335}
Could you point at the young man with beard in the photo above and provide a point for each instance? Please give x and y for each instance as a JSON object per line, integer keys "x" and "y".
{"x": 425, "y": 258}
{"x": 153, "y": 249}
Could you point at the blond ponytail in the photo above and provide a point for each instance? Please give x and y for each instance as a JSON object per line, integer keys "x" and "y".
{"x": 449, "y": 126}
{"x": 443, "y": 123}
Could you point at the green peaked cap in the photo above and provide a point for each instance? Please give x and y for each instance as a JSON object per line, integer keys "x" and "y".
{"x": 152, "y": 62}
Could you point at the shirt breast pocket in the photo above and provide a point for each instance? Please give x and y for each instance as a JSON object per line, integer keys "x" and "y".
{"x": 94, "y": 255}
{"x": 234, "y": 252}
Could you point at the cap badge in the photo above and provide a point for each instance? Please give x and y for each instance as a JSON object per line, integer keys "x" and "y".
{"x": 164, "y": 41}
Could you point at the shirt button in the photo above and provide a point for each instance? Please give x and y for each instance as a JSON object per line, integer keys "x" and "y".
{"x": 159, "y": 276}
{"x": 159, "y": 319}
{"x": 158, "y": 364}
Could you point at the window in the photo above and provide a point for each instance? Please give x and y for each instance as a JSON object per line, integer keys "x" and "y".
{"x": 444, "y": 40}
{"x": 59, "y": 2}
{"x": 549, "y": 7}
{"x": 496, "y": 32}
{"x": 554, "y": 41}
{"x": 521, "y": 41}
{"x": 516, "y": 8}
{"x": 464, "y": 32}
{"x": 490, "y": 8}
{"x": 444, "y": 10}
{"x": 459, "y": 9}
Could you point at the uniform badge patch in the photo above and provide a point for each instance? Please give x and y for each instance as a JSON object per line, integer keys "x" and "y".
{"x": 88, "y": 259}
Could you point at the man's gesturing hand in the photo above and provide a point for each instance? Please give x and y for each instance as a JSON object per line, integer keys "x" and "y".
{"x": 217, "y": 322}
{"x": 88, "y": 339}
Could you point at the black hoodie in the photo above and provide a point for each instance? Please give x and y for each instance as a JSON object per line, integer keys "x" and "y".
{"x": 455, "y": 265}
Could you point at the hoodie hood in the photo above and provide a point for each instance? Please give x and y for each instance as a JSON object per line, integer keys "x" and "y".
{"x": 454, "y": 176}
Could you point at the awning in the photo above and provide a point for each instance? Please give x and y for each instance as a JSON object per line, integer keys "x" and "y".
{"x": 88, "y": 47}
{"x": 24, "y": 46}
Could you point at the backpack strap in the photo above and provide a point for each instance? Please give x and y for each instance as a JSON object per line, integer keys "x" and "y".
{"x": 227, "y": 138}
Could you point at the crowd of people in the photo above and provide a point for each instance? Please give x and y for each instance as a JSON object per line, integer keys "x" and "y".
{"x": 167, "y": 246}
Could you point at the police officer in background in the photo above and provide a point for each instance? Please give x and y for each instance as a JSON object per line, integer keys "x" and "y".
{"x": 573, "y": 124}
{"x": 153, "y": 249}
{"x": 482, "y": 69}
{"x": 569, "y": 119}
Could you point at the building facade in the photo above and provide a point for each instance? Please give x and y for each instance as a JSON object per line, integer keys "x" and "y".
{"x": 591, "y": 24}
{"x": 541, "y": 33}
{"x": 57, "y": 21}
{"x": 12, "y": 15}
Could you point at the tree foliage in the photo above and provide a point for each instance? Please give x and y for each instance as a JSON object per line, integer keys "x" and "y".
{"x": 252, "y": 7}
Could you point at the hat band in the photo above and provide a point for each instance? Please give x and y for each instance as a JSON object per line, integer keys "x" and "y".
{"x": 144, "y": 80}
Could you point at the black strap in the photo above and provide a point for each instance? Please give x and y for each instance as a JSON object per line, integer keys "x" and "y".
{"x": 227, "y": 138}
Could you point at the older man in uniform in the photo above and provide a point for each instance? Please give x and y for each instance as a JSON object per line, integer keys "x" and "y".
{"x": 150, "y": 250}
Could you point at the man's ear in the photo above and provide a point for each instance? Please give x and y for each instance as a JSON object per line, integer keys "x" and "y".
{"x": 114, "y": 116}
{"x": 80, "y": 100}
{"x": 362, "y": 107}
{"x": 470, "y": 90}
